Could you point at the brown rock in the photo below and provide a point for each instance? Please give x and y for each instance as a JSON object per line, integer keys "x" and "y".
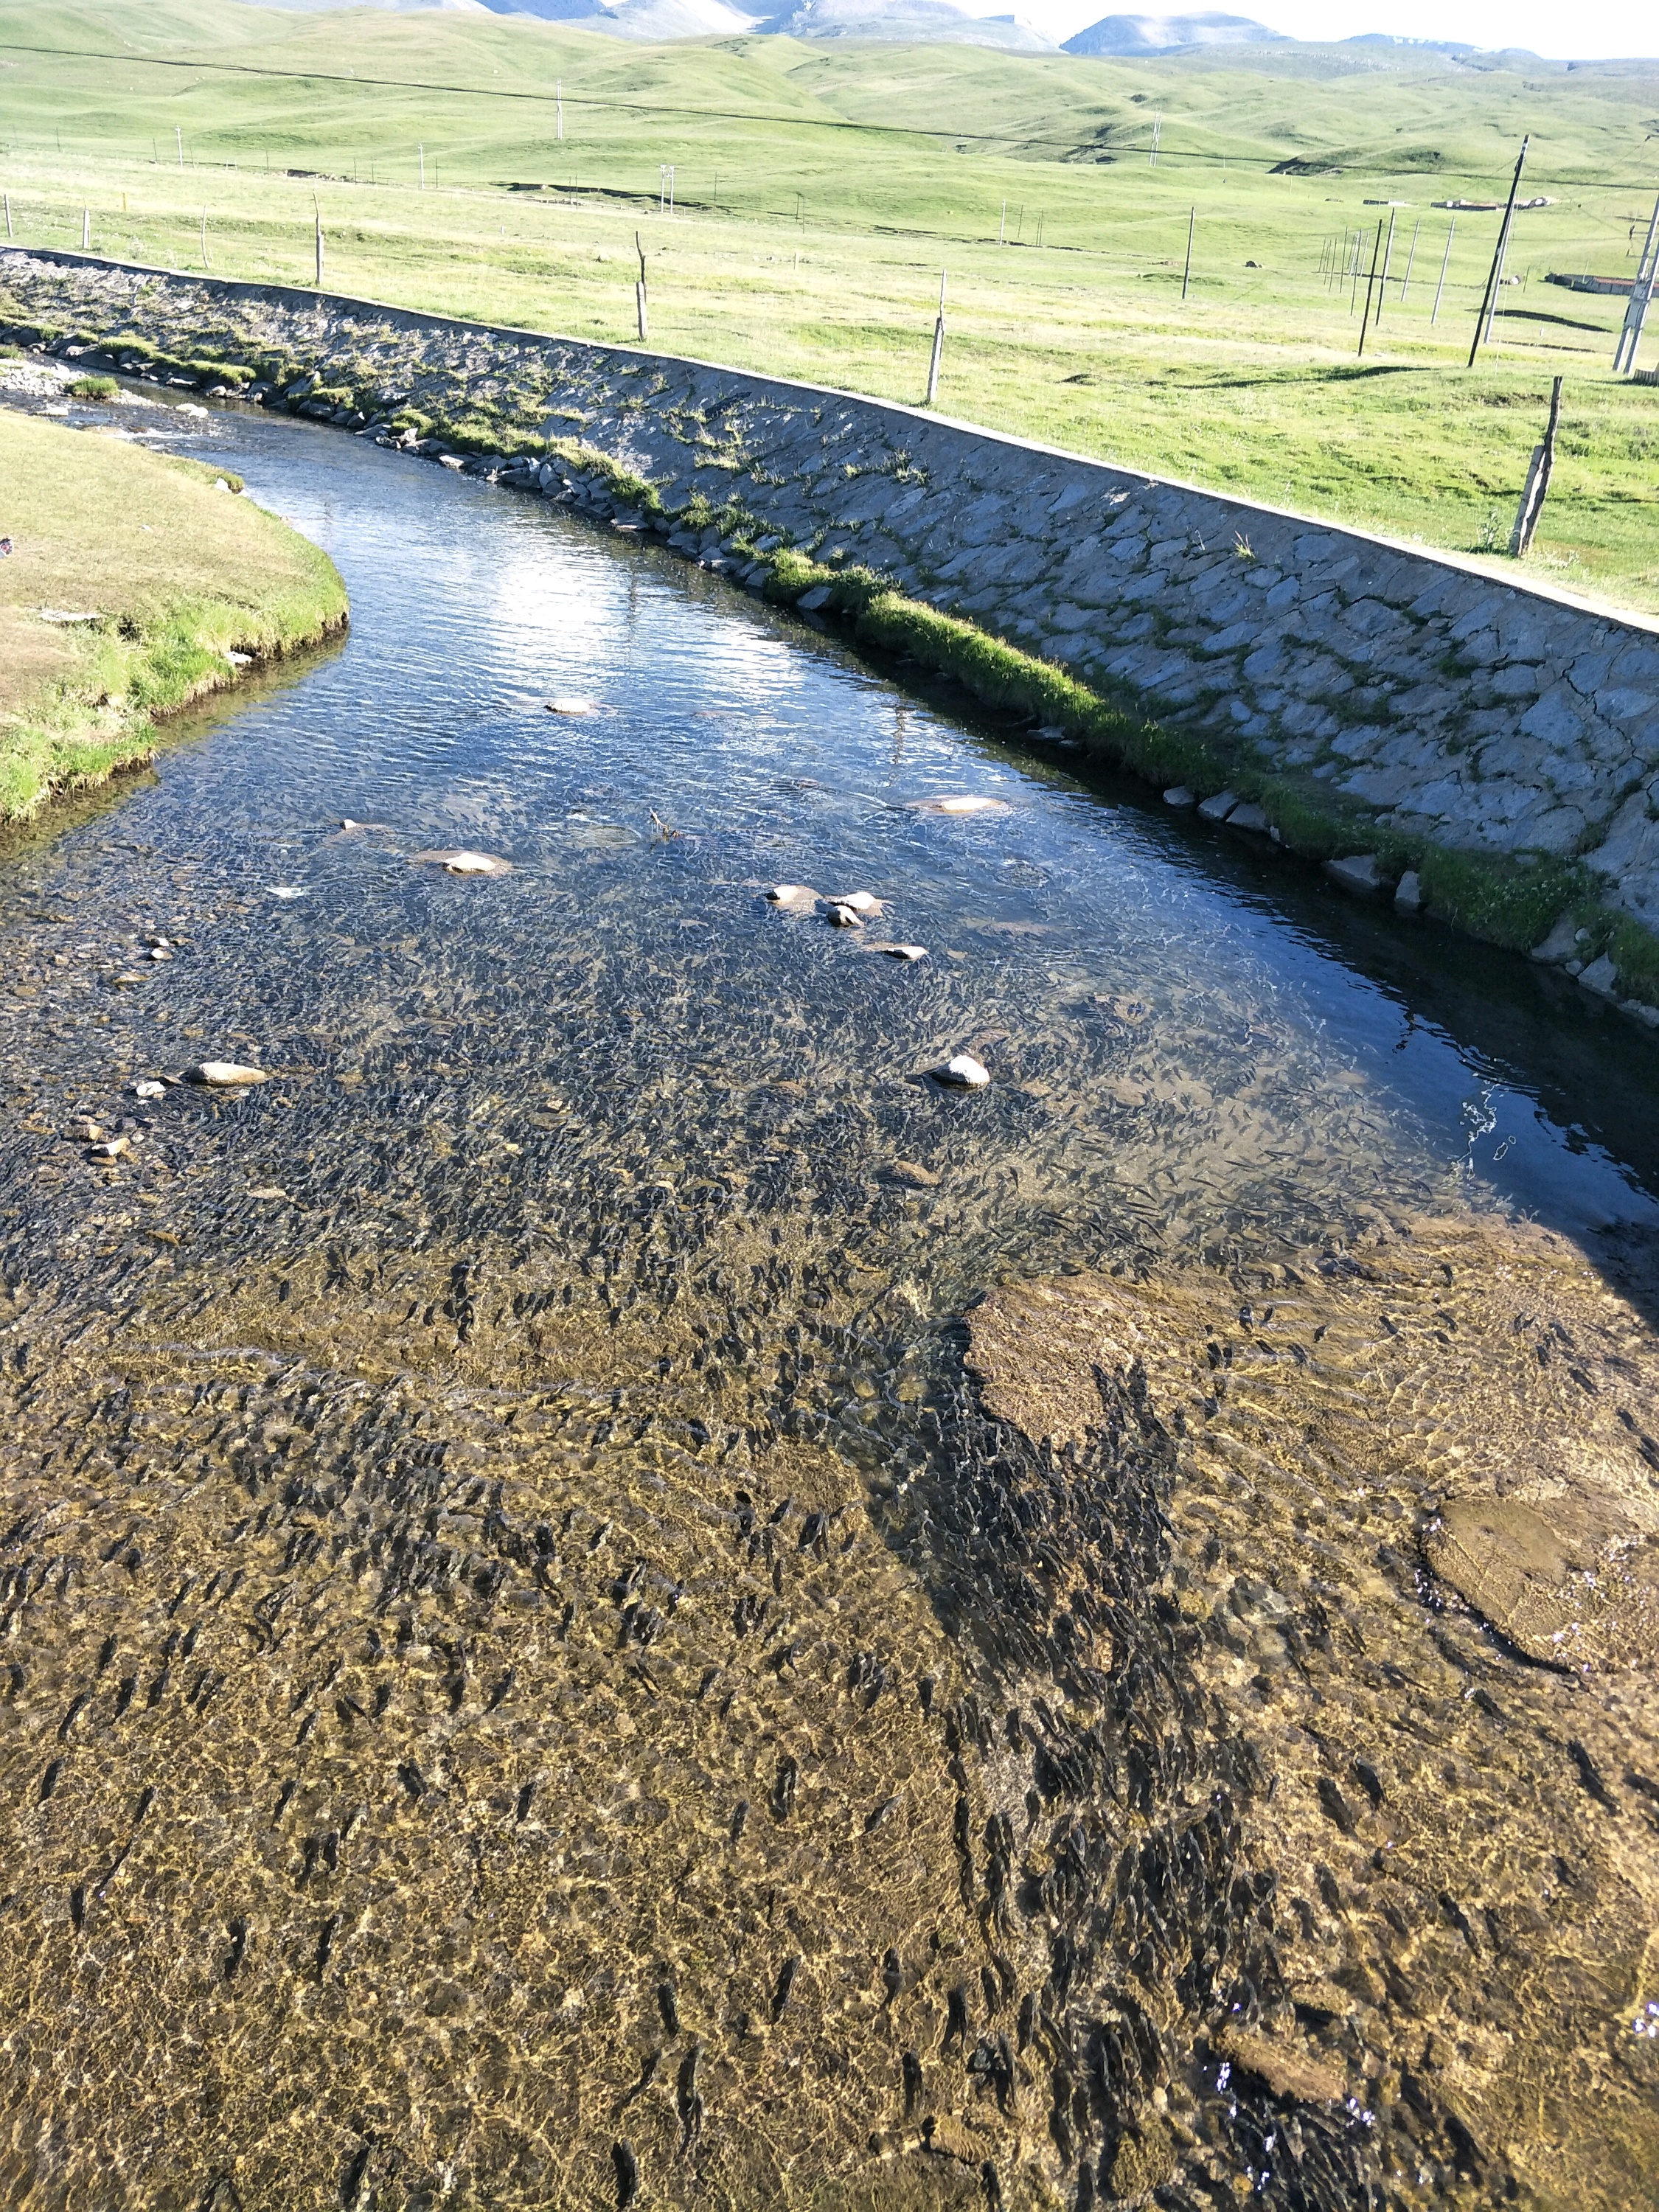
{"x": 1288, "y": 2072}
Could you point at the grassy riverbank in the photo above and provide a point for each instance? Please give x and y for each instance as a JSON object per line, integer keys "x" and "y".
{"x": 818, "y": 190}
{"x": 179, "y": 574}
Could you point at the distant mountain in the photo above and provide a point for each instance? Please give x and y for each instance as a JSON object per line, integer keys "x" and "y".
{"x": 1168, "y": 34}
{"x": 906, "y": 22}
{"x": 651, "y": 19}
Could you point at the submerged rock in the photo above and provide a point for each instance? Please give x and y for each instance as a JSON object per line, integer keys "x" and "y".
{"x": 464, "y": 863}
{"x": 962, "y": 1073}
{"x": 897, "y": 951}
{"x": 1178, "y": 795}
{"x": 1289, "y": 2074}
{"x": 795, "y": 898}
{"x": 841, "y": 916}
{"x": 225, "y": 1074}
{"x": 861, "y": 903}
{"x": 969, "y": 802}
{"x": 572, "y": 706}
{"x": 1576, "y": 1604}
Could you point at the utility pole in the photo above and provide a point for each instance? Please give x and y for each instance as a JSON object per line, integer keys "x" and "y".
{"x": 1370, "y": 281}
{"x": 1495, "y": 277}
{"x": 1406, "y": 281}
{"x": 1445, "y": 263}
{"x": 1186, "y": 273}
{"x": 9, "y": 228}
{"x": 1358, "y": 256}
{"x": 1387, "y": 252}
{"x": 939, "y": 345}
{"x": 1641, "y": 298}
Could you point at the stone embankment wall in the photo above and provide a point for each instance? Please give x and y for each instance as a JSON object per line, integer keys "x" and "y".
{"x": 1492, "y": 749}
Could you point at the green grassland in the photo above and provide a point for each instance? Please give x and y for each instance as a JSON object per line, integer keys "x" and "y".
{"x": 819, "y": 191}
{"x": 180, "y": 574}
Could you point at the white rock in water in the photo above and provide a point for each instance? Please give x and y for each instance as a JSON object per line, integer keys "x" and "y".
{"x": 1219, "y": 807}
{"x": 1178, "y": 795}
{"x": 961, "y": 803}
{"x": 224, "y": 1074}
{"x": 573, "y": 706}
{"x": 286, "y": 891}
{"x": 466, "y": 864}
{"x": 844, "y": 917}
{"x": 964, "y": 1071}
{"x": 899, "y": 951}
{"x": 112, "y": 1148}
{"x": 793, "y": 895}
{"x": 860, "y": 902}
{"x": 1409, "y": 894}
{"x": 149, "y": 1090}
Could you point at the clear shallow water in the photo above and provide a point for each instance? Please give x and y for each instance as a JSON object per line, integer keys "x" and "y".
{"x": 598, "y": 1214}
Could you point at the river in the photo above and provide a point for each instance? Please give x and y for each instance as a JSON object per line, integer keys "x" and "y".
{"x": 492, "y": 1713}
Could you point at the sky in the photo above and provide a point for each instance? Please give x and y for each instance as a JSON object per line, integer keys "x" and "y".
{"x": 1593, "y": 30}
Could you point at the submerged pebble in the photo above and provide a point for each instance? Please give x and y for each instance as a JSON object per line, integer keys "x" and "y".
{"x": 897, "y": 951}
{"x": 572, "y": 706}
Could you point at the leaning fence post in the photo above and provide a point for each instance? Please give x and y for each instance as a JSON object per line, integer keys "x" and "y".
{"x": 317, "y": 209}
{"x": 1537, "y": 480}
{"x": 639, "y": 290}
{"x": 1186, "y": 274}
{"x": 939, "y": 345}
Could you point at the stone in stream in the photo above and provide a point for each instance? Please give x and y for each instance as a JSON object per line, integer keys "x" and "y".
{"x": 1219, "y": 807}
{"x": 896, "y": 952}
{"x": 841, "y": 916}
{"x": 85, "y": 1130}
{"x": 112, "y": 1148}
{"x": 149, "y": 1089}
{"x": 797, "y": 898}
{"x": 571, "y": 706}
{"x": 973, "y": 802}
{"x": 961, "y": 1072}
{"x": 861, "y": 903}
{"x": 1408, "y": 893}
{"x": 224, "y": 1074}
{"x": 462, "y": 863}
{"x": 1178, "y": 795}
{"x": 286, "y": 891}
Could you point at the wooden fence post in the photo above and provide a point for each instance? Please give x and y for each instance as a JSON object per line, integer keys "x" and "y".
{"x": 939, "y": 345}
{"x": 1537, "y": 480}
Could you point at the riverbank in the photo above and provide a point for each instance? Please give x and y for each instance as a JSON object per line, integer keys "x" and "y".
{"x": 136, "y": 584}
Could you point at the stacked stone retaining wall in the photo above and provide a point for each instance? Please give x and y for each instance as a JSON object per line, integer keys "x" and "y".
{"x": 1420, "y": 702}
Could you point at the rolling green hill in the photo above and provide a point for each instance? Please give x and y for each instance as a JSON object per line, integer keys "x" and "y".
{"x": 818, "y": 190}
